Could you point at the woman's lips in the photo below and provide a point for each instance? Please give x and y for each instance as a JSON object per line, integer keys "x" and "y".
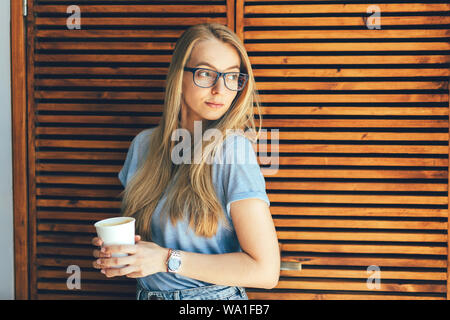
{"x": 216, "y": 106}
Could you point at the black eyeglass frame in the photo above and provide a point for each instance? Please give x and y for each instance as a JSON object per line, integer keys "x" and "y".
{"x": 218, "y": 75}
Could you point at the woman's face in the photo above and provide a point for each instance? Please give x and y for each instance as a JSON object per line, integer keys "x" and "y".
{"x": 213, "y": 55}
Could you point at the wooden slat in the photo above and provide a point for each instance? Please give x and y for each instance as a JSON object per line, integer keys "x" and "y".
{"x": 136, "y": 8}
{"x": 149, "y": 121}
{"x": 286, "y": 173}
{"x": 61, "y": 155}
{"x": 330, "y": 273}
{"x": 19, "y": 113}
{"x": 360, "y": 248}
{"x": 271, "y": 295}
{"x": 88, "y": 180}
{"x": 250, "y": 22}
{"x": 254, "y": 47}
{"x": 311, "y": 72}
{"x": 370, "y": 111}
{"x": 324, "y": 21}
{"x": 74, "y": 295}
{"x": 360, "y": 174}
{"x": 84, "y": 192}
{"x": 362, "y": 274}
{"x": 358, "y": 236}
{"x": 274, "y": 123}
{"x": 324, "y": 47}
{"x": 360, "y": 224}
{"x": 302, "y": 34}
{"x": 282, "y": 135}
{"x": 70, "y": 192}
{"x": 81, "y": 33}
{"x": 350, "y": 59}
{"x": 393, "y": 85}
{"x": 328, "y": 261}
{"x": 356, "y": 186}
{"x": 260, "y": 34}
{"x": 134, "y": 21}
{"x": 338, "y": 72}
{"x": 310, "y": 247}
{"x": 310, "y": 148}
{"x": 289, "y": 235}
{"x": 88, "y": 287}
{"x": 325, "y": 60}
{"x": 269, "y": 9}
{"x": 67, "y": 258}
{"x": 255, "y": 60}
{"x": 345, "y": 8}
{"x": 358, "y": 286}
{"x": 327, "y": 210}
{"x": 78, "y": 203}
{"x": 78, "y": 216}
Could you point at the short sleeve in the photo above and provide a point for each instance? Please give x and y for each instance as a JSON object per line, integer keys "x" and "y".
{"x": 137, "y": 152}
{"x": 240, "y": 173}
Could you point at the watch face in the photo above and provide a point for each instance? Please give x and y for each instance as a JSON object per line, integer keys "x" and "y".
{"x": 174, "y": 264}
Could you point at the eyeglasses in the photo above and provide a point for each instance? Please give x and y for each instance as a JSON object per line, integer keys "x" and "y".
{"x": 206, "y": 78}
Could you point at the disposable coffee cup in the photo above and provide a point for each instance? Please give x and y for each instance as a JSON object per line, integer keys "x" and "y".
{"x": 116, "y": 231}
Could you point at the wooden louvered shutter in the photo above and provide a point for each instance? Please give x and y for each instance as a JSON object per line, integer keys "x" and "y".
{"x": 363, "y": 119}
{"x": 91, "y": 91}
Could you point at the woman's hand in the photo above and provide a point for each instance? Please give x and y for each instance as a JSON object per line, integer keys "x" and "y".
{"x": 144, "y": 258}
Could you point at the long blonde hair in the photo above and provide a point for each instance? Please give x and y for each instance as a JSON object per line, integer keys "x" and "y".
{"x": 193, "y": 192}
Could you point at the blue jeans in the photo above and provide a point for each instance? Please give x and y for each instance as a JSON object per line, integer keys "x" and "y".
{"x": 212, "y": 292}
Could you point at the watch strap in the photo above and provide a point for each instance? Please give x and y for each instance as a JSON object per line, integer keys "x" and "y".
{"x": 167, "y": 260}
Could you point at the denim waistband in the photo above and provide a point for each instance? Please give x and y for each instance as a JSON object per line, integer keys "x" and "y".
{"x": 210, "y": 292}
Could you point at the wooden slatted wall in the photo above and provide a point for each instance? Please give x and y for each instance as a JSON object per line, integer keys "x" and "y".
{"x": 363, "y": 120}
{"x": 93, "y": 90}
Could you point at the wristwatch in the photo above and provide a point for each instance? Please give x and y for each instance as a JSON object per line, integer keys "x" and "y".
{"x": 173, "y": 261}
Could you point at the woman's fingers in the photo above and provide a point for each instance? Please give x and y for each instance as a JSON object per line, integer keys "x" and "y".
{"x": 99, "y": 254}
{"x": 107, "y": 251}
{"x": 114, "y": 272}
{"x": 135, "y": 275}
{"x": 105, "y": 263}
{"x": 122, "y": 248}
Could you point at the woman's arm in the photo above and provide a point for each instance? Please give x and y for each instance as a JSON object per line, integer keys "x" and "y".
{"x": 257, "y": 266}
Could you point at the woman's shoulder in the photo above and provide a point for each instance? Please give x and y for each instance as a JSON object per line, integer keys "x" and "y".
{"x": 140, "y": 144}
{"x": 145, "y": 133}
{"x": 140, "y": 140}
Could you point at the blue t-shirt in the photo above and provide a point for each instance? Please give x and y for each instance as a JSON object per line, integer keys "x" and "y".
{"x": 238, "y": 179}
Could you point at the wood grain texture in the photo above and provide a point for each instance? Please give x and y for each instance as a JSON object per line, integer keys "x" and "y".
{"x": 19, "y": 150}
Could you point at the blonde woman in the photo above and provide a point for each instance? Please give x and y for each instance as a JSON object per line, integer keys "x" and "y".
{"x": 204, "y": 228}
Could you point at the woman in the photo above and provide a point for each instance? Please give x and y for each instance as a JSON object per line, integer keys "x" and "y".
{"x": 204, "y": 230}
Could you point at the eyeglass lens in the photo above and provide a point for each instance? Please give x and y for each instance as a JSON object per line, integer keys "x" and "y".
{"x": 206, "y": 78}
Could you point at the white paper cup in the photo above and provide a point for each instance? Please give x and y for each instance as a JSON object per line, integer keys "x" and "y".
{"x": 116, "y": 231}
